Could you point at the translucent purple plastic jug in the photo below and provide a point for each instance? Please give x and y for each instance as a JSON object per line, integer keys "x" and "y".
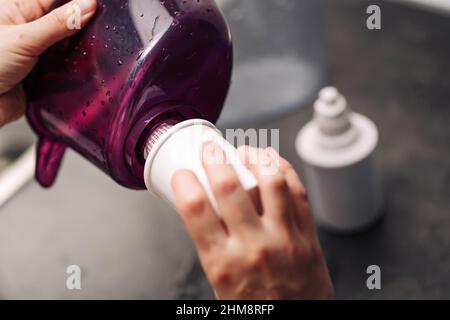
{"x": 138, "y": 64}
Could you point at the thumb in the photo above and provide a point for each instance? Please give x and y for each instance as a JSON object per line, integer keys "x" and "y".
{"x": 37, "y": 36}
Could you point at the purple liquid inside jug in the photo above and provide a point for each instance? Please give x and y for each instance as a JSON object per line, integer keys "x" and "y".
{"x": 138, "y": 65}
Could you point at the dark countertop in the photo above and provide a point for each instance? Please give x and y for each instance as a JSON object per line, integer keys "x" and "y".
{"x": 399, "y": 77}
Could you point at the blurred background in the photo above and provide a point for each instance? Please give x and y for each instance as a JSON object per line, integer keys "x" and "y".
{"x": 130, "y": 245}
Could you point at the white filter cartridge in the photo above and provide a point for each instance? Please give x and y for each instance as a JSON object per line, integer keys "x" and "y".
{"x": 179, "y": 147}
{"x": 337, "y": 150}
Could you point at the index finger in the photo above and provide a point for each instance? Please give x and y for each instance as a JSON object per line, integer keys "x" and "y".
{"x": 202, "y": 222}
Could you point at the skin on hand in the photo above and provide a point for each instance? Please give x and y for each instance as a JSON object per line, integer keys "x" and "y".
{"x": 27, "y": 29}
{"x": 250, "y": 253}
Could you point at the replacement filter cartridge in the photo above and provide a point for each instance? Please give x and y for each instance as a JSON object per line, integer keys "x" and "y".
{"x": 336, "y": 148}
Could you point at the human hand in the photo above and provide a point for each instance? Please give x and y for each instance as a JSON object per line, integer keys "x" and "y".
{"x": 26, "y": 31}
{"x": 250, "y": 253}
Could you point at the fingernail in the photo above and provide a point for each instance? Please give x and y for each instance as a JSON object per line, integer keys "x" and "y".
{"x": 266, "y": 159}
{"x": 213, "y": 154}
{"x": 86, "y": 6}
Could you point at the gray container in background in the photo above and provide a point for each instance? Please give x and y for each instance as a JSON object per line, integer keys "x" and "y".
{"x": 280, "y": 60}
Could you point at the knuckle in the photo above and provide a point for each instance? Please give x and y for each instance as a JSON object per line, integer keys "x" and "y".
{"x": 226, "y": 185}
{"x": 222, "y": 276}
{"x": 277, "y": 182}
{"x": 193, "y": 204}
